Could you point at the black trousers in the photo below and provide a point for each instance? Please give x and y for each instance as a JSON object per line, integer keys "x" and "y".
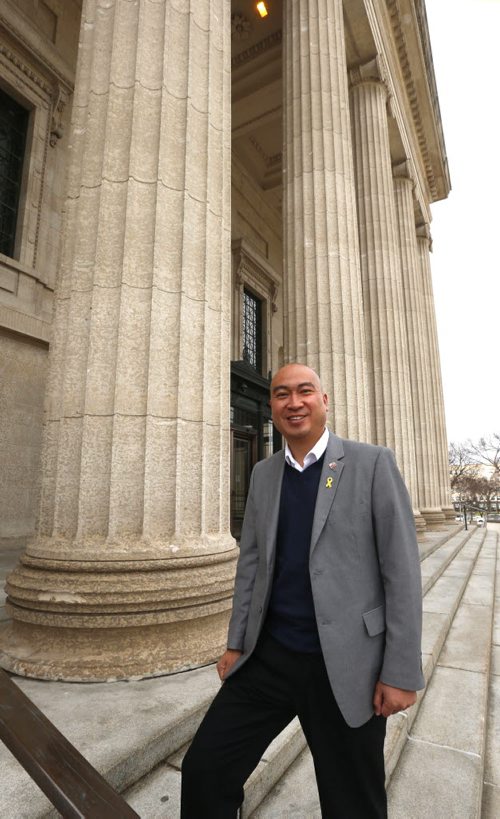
{"x": 251, "y": 708}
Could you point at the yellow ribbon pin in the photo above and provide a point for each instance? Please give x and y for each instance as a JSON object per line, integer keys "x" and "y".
{"x": 329, "y": 483}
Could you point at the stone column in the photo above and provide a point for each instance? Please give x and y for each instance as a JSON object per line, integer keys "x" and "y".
{"x": 386, "y": 338}
{"x": 443, "y": 494}
{"x": 415, "y": 311}
{"x": 323, "y": 296}
{"x": 131, "y": 571}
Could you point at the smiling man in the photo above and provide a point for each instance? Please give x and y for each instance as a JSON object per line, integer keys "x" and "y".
{"x": 326, "y": 620}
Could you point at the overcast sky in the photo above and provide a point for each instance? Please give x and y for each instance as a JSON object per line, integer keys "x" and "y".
{"x": 466, "y": 226}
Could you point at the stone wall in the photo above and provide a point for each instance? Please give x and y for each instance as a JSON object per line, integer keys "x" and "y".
{"x": 23, "y": 366}
{"x": 38, "y": 49}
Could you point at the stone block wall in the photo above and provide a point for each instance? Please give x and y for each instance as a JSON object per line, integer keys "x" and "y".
{"x": 23, "y": 367}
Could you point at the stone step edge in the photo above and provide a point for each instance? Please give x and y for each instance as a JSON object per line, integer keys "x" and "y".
{"x": 401, "y": 723}
{"x": 485, "y": 725}
{"x": 450, "y": 532}
{"x": 255, "y": 792}
{"x": 292, "y": 735}
{"x": 479, "y": 774}
{"x": 429, "y": 582}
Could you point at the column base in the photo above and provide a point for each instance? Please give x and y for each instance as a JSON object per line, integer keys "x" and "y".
{"x": 450, "y": 513}
{"x": 420, "y": 524}
{"x": 434, "y": 519}
{"x": 106, "y": 620}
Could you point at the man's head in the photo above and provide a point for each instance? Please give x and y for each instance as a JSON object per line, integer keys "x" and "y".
{"x": 298, "y": 405}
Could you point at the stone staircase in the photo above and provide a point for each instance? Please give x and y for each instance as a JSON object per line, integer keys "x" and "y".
{"x": 435, "y": 752}
{"x": 438, "y": 754}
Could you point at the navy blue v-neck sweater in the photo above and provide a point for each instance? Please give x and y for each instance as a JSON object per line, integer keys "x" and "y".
{"x": 291, "y": 618}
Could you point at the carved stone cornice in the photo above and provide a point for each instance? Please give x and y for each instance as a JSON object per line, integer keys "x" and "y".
{"x": 270, "y": 160}
{"x": 411, "y": 90}
{"x": 251, "y": 267}
{"x": 257, "y": 50}
{"x": 24, "y": 68}
{"x": 25, "y": 34}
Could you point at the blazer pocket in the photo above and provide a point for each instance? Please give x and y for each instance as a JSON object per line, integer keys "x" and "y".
{"x": 375, "y": 620}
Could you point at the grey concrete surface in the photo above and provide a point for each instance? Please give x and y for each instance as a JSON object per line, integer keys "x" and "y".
{"x": 282, "y": 752}
{"x": 124, "y": 729}
{"x": 445, "y": 594}
{"x": 295, "y": 796}
{"x": 480, "y": 588}
{"x": 490, "y": 808}
{"x": 431, "y": 782}
{"x": 468, "y": 643}
{"x": 452, "y": 712}
{"x": 435, "y": 627}
{"x": 128, "y": 730}
{"x": 495, "y": 659}
{"x": 492, "y": 759}
{"x": 157, "y": 796}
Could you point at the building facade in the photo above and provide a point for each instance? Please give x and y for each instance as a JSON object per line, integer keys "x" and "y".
{"x": 194, "y": 193}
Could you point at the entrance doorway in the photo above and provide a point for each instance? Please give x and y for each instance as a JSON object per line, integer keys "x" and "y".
{"x": 252, "y": 434}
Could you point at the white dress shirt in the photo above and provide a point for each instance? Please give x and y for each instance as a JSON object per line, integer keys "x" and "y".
{"x": 312, "y": 456}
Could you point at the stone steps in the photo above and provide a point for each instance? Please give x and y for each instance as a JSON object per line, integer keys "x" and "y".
{"x": 459, "y": 594}
{"x": 136, "y": 733}
{"x": 440, "y": 772}
{"x": 491, "y": 784}
{"x": 448, "y": 560}
{"x": 435, "y": 751}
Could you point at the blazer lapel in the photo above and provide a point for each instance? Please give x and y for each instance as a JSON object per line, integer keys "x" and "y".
{"x": 273, "y": 507}
{"x": 328, "y": 483}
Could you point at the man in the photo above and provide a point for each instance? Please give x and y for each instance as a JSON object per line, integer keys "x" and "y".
{"x": 326, "y": 620}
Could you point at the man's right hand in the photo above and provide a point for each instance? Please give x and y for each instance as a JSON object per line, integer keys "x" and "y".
{"x": 227, "y": 661}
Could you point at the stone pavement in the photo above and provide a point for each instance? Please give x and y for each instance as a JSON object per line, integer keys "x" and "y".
{"x": 437, "y": 755}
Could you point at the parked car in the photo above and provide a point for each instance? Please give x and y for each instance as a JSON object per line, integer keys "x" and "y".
{"x": 480, "y": 521}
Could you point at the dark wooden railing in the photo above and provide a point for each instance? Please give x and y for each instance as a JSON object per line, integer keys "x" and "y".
{"x": 73, "y": 786}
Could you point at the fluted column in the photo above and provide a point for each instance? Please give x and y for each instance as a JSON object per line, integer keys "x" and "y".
{"x": 386, "y": 339}
{"x": 323, "y": 297}
{"x": 131, "y": 569}
{"x": 438, "y": 421}
{"x": 415, "y": 312}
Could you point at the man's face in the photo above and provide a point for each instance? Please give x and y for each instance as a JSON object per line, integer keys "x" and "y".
{"x": 298, "y": 404}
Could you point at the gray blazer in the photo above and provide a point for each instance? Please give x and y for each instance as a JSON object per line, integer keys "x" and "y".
{"x": 364, "y": 567}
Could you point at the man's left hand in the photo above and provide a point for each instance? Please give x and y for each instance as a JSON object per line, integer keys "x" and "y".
{"x": 388, "y": 700}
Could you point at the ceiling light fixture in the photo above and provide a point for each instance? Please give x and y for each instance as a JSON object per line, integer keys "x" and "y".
{"x": 262, "y": 9}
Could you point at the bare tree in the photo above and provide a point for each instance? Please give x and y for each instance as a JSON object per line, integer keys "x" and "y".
{"x": 486, "y": 451}
{"x": 461, "y": 463}
{"x": 470, "y": 482}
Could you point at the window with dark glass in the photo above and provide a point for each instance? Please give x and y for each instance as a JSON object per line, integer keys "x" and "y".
{"x": 252, "y": 330}
{"x": 13, "y": 129}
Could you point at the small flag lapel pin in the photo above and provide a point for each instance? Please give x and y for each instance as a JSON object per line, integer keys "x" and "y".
{"x": 333, "y": 465}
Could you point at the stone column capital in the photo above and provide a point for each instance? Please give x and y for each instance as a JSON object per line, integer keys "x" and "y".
{"x": 373, "y": 71}
{"x": 403, "y": 170}
{"x": 424, "y": 232}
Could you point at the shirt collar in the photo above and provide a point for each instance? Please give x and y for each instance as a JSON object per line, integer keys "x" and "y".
{"x": 312, "y": 456}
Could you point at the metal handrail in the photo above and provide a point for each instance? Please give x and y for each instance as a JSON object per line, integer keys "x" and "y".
{"x": 466, "y": 506}
{"x": 73, "y": 786}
